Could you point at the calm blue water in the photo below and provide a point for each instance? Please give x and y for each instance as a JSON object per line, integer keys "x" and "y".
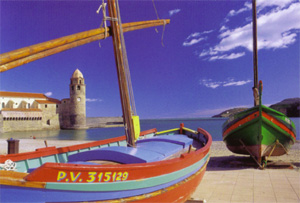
{"x": 212, "y": 125}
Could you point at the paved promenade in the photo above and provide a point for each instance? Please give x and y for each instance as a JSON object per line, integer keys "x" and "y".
{"x": 232, "y": 178}
{"x": 229, "y": 177}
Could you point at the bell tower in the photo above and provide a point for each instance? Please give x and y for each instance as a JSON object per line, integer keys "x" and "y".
{"x": 77, "y": 101}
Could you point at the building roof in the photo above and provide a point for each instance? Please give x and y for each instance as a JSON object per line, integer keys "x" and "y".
{"x": 19, "y": 109}
{"x": 47, "y": 102}
{"x": 77, "y": 74}
{"x": 22, "y": 94}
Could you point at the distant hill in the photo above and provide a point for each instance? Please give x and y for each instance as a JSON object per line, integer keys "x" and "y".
{"x": 289, "y": 107}
{"x": 229, "y": 112}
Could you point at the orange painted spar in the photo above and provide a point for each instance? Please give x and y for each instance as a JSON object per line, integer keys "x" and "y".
{"x": 135, "y": 171}
{"x": 48, "y": 151}
{"x": 241, "y": 122}
{"x": 279, "y": 124}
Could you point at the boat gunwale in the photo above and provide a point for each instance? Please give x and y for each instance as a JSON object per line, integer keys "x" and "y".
{"x": 176, "y": 163}
{"x": 289, "y": 132}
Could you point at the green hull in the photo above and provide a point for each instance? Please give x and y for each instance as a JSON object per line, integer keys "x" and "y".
{"x": 259, "y": 131}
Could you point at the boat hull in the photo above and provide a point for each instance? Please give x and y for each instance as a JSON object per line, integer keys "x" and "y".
{"x": 259, "y": 132}
{"x": 170, "y": 180}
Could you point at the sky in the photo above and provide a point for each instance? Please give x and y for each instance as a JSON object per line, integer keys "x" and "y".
{"x": 197, "y": 66}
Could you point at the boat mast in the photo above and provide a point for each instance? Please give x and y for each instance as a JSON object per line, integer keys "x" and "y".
{"x": 119, "y": 57}
{"x": 255, "y": 87}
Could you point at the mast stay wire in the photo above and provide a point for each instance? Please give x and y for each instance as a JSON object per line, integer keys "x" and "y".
{"x": 162, "y": 36}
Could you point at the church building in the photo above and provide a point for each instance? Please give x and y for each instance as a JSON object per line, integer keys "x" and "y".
{"x": 34, "y": 111}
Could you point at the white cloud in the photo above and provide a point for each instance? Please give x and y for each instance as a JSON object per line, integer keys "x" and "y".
{"x": 195, "y": 38}
{"x": 195, "y": 34}
{"x": 277, "y": 28}
{"x": 234, "y": 13}
{"x": 93, "y": 100}
{"x": 192, "y": 42}
{"x": 209, "y": 83}
{"x": 48, "y": 94}
{"x": 236, "y": 83}
{"x": 227, "y": 56}
{"x": 172, "y": 12}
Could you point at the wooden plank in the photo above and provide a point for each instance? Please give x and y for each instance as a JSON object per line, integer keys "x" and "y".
{"x": 120, "y": 58}
{"x": 28, "y": 54}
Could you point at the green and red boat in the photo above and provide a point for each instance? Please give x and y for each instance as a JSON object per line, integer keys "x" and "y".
{"x": 259, "y": 131}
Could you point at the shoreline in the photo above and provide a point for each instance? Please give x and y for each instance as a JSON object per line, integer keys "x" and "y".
{"x": 220, "y": 155}
{"x": 229, "y": 177}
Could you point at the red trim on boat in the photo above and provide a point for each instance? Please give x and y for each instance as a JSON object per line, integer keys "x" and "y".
{"x": 279, "y": 124}
{"x": 241, "y": 122}
{"x": 47, "y": 151}
{"x": 133, "y": 171}
{"x": 146, "y": 132}
{"x": 255, "y": 115}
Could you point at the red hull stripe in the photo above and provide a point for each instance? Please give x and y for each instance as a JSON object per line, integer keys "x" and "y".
{"x": 279, "y": 124}
{"x": 241, "y": 122}
{"x": 255, "y": 115}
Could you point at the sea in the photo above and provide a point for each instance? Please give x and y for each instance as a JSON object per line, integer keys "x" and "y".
{"x": 212, "y": 125}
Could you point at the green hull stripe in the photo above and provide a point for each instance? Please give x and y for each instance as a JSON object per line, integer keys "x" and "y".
{"x": 127, "y": 185}
{"x": 249, "y": 133}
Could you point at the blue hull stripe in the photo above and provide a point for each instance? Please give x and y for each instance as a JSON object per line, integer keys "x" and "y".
{"x": 126, "y": 185}
{"x": 50, "y": 195}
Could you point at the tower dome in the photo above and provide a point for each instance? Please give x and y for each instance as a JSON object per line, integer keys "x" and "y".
{"x": 77, "y": 74}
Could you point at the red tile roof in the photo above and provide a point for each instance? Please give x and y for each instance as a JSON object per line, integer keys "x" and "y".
{"x": 19, "y": 109}
{"x": 46, "y": 102}
{"x": 22, "y": 94}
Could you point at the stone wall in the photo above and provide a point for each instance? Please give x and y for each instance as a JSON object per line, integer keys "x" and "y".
{"x": 101, "y": 122}
{"x": 21, "y": 125}
{"x": 50, "y": 118}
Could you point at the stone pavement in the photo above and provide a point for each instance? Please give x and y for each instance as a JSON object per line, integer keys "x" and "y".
{"x": 250, "y": 185}
{"x": 233, "y": 178}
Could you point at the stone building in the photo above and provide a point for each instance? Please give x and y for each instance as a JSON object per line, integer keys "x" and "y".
{"x": 73, "y": 109}
{"x": 34, "y": 111}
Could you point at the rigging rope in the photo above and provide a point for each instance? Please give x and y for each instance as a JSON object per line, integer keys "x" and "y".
{"x": 162, "y": 36}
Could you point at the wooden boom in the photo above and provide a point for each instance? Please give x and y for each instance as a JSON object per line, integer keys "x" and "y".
{"x": 31, "y": 53}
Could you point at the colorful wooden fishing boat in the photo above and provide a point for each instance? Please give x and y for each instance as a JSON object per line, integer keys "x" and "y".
{"x": 163, "y": 167}
{"x": 140, "y": 167}
{"x": 259, "y": 131}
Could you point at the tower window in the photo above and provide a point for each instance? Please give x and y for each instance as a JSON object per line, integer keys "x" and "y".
{"x": 79, "y": 81}
{"x": 72, "y": 87}
{"x": 46, "y": 106}
{"x": 3, "y": 105}
{"x": 78, "y": 87}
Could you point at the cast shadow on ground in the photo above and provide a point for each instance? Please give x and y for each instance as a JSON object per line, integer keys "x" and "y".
{"x": 223, "y": 163}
